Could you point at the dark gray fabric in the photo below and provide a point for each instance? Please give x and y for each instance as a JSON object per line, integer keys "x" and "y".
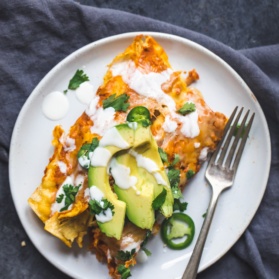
{"x": 36, "y": 35}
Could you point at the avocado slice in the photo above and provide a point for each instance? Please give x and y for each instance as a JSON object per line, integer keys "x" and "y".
{"x": 97, "y": 176}
{"x": 133, "y": 147}
{"x": 160, "y": 176}
{"x": 138, "y": 197}
{"x": 120, "y": 137}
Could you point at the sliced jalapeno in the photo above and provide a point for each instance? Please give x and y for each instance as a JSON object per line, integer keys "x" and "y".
{"x": 177, "y": 227}
{"x": 139, "y": 114}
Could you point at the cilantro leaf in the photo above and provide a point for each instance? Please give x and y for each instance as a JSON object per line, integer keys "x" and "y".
{"x": 147, "y": 252}
{"x": 174, "y": 178}
{"x": 84, "y": 153}
{"x": 59, "y": 199}
{"x": 180, "y": 206}
{"x": 70, "y": 194}
{"x": 125, "y": 255}
{"x": 159, "y": 200}
{"x": 190, "y": 174}
{"x": 97, "y": 207}
{"x": 119, "y": 103}
{"x": 78, "y": 78}
{"x": 163, "y": 155}
{"x": 176, "y": 192}
{"x": 175, "y": 160}
{"x": 124, "y": 271}
{"x": 147, "y": 236}
{"x": 187, "y": 108}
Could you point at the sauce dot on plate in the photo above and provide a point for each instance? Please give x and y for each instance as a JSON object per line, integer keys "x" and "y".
{"x": 55, "y": 105}
{"x": 85, "y": 93}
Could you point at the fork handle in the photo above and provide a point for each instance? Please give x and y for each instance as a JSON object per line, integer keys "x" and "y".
{"x": 192, "y": 267}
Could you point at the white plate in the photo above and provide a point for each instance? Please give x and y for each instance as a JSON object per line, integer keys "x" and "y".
{"x": 222, "y": 88}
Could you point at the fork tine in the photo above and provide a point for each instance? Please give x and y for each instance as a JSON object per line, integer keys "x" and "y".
{"x": 243, "y": 142}
{"x": 237, "y": 138}
{"x": 228, "y": 138}
{"x": 214, "y": 155}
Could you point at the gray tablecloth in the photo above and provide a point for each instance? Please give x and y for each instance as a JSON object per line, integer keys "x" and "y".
{"x": 36, "y": 35}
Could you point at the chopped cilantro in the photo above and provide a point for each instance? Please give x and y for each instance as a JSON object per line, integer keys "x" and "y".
{"x": 85, "y": 151}
{"x": 124, "y": 271}
{"x": 187, "y": 108}
{"x": 190, "y": 174}
{"x": 78, "y": 78}
{"x": 159, "y": 200}
{"x": 125, "y": 255}
{"x": 147, "y": 252}
{"x": 163, "y": 155}
{"x": 147, "y": 236}
{"x": 59, "y": 199}
{"x": 98, "y": 207}
{"x": 175, "y": 160}
{"x": 180, "y": 206}
{"x": 204, "y": 214}
{"x": 70, "y": 194}
{"x": 174, "y": 178}
{"x": 119, "y": 103}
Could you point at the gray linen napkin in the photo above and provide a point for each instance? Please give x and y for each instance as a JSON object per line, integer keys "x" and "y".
{"x": 36, "y": 35}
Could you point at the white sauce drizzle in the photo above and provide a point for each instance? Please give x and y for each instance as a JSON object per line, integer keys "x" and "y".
{"x": 149, "y": 165}
{"x": 85, "y": 92}
{"x": 121, "y": 175}
{"x": 79, "y": 179}
{"x": 113, "y": 137}
{"x": 84, "y": 161}
{"x": 149, "y": 85}
{"x": 97, "y": 194}
{"x": 128, "y": 244}
{"x": 203, "y": 154}
{"x": 55, "y": 105}
{"x": 169, "y": 125}
{"x": 103, "y": 119}
{"x": 144, "y": 162}
{"x": 133, "y": 125}
{"x": 62, "y": 167}
{"x": 91, "y": 109}
{"x": 160, "y": 179}
{"x": 197, "y": 144}
{"x": 69, "y": 144}
{"x": 141, "y": 257}
{"x": 190, "y": 126}
{"x": 100, "y": 157}
{"x": 87, "y": 194}
{"x": 58, "y": 206}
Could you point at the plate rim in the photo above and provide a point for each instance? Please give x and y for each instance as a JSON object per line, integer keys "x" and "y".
{"x": 107, "y": 40}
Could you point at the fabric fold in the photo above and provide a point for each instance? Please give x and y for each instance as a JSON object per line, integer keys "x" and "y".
{"x": 35, "y": 36}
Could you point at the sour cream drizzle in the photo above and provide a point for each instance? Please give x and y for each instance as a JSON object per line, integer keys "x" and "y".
{"x": 121, "y": 175}
{"x": 98, "y": 195}
{"x": 100, "y": 157}
{"x": 103, "y": 119}
{"x": 58, "y": 206}
{"x": 62, "y": 167}
{"x": 55, "y": 105}
{"x": 113, "y": 137}
{"x": 85, "y": 92}
{"x": 149, "y": 165}
{"x": 149, "y": 85}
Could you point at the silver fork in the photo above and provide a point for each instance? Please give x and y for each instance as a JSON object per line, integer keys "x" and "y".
{"x": 220, "y": 174}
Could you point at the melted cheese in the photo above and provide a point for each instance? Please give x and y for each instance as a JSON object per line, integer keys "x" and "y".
{"x": 144, "y": 73}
